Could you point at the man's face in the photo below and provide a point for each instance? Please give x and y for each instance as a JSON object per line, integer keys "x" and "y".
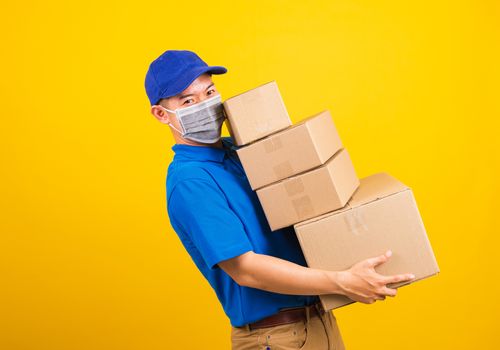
{"x": 199, "y": 90}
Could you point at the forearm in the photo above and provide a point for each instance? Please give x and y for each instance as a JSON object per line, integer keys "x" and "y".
{"x": 285, "y": 277}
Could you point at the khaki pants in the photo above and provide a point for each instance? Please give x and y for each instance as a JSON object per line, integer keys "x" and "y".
{"x": 317, "y": 333}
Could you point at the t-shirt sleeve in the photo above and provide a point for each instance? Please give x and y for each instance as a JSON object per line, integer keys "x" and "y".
{"x": 200, "y": 209}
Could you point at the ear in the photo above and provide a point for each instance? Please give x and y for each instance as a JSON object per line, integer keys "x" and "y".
{"x": 159, "y": 113}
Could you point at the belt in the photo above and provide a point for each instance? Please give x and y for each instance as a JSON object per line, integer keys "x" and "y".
{"x": 286, "y": 316}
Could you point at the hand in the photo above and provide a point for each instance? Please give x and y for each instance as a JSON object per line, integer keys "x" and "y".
{"x": 362, "y": 283}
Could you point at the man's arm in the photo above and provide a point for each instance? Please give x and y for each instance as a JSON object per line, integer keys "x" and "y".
{"x": 360, "y": 283}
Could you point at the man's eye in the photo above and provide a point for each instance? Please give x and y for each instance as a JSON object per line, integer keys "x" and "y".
{"x": 187, "y": 101}
{"x": 210, "y": 91}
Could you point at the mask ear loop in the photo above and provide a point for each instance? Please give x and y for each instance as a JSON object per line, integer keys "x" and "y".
{"x": 173, "y": 127}
{"x": 170, "y": 124}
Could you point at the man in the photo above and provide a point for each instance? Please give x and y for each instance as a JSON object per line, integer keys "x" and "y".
{"x": 260, "y": 277}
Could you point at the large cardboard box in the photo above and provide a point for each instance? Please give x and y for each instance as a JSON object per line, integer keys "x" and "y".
{"x": 296, "y": 149}
{"x": 256, "y": 113}
{"x": 309, "y": 194}
{"x": 382, "y": 214}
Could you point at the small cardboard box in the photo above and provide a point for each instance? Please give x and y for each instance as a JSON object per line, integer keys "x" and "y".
{"x": 299, "y": 148}
{"x": 256, "y": 113}
{"x": 382, "y": 214}
{"x": 306, "y": 195}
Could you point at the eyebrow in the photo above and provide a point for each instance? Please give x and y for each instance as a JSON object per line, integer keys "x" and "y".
{"x": 183, "y": 96}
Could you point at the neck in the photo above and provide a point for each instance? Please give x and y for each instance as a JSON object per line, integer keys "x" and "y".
{"x": 182, "y": 141}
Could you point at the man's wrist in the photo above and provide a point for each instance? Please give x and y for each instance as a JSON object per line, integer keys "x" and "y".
{"x": 336, "y": 278}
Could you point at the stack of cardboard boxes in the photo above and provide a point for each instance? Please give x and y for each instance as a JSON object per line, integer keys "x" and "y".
{"x": 304, "y": 177}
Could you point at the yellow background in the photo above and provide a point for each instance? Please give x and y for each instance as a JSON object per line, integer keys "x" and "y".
{"x": 88, "y": 259}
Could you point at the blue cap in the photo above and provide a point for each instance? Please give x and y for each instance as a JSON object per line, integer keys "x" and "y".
{"x": 173, "y": 72}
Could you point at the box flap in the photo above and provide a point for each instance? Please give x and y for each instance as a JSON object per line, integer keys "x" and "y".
{"x": 316, "y": 115}
{"x": 252, "y": 89}
{"x": 376, "y": 186}
{"x": 371, "y": 188}
{"x": 298, "y": 124}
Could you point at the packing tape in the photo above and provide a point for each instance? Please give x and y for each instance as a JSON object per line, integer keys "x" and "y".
{"x": 355, "y": 221}
{"x": 283, "y": 170}
{"x": 273, "y": 144}
{"x": 293, "y": 186}
{"x": 303, "y": 207}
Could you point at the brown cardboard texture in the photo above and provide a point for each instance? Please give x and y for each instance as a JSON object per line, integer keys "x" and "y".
{"x": 299, "y": 148}
{"x": 382, "y": 214}
{"x": 309, "y": 194}
{"x": 256, "y": 113}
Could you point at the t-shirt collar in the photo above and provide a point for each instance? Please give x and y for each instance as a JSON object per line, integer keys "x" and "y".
{"x": 202, "y": 153}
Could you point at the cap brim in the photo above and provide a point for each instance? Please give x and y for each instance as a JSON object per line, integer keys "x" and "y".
{"x": 216, "y": 70}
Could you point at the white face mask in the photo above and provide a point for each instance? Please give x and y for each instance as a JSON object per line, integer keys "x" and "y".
{"x": 201, "y": 122}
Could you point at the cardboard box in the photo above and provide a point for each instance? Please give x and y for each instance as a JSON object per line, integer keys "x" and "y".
{"x": 296, "y": 149}
{"x": 381, "y": 215}
{"x": 256, "y": 113}
{"x": 315, "y": 192}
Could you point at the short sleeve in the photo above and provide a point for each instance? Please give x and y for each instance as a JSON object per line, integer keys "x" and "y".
{"x": 199, "y": 208}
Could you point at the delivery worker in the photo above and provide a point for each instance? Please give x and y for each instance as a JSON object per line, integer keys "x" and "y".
{"x": 260, "y": 277}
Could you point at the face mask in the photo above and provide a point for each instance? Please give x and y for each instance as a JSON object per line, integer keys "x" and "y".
{"x": 201, "y": 122}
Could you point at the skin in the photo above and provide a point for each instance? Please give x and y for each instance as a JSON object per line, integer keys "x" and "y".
{"x": 199, "y": 90}
{"x": 360, "y": 282}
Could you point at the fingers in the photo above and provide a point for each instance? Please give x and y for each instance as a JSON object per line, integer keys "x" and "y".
{"x": 391, "y": 292}
{"x": 372, "y": 300}
{"x": 381, "y": 295}
{"x": 398, "y": 278}
{"x": 367, "y": 300}
{"x": 379, "y": 259}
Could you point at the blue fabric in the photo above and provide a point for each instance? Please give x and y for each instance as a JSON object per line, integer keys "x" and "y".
{"x": 217, "y": 216}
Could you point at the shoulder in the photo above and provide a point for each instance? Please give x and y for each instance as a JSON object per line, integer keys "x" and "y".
{"x": 186, "y": 171}
{"x": 182, "y": 173}
{"x": 192, "y": 187}
{"x": 189, "y": 180}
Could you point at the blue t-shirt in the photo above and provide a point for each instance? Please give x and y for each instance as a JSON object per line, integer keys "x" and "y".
{"x": 218, "y": 216}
